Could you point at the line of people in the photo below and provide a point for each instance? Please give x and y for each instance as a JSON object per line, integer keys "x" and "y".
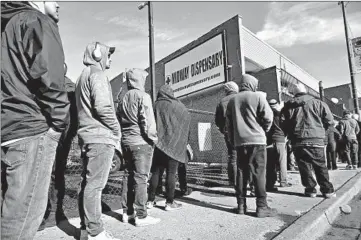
{"x": 261, "y": 137}
{"x": 39, "y": 122}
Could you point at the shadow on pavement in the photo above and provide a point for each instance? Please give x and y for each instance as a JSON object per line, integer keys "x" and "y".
{"x": 69, "y": 229}
{"x": 108, "y": 211}
{"x": 205, "y": 204}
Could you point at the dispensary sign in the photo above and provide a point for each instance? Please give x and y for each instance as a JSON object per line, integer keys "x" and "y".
{"x": 199, "y": 68}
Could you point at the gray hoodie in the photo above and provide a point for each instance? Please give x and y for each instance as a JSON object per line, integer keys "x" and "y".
{"x": 136, "y": 112}
{"x": 248, "y": 115}
{"x": 97, "y": 122}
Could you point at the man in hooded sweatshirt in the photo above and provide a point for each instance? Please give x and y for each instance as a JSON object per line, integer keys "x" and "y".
{"x": 349, "y": 130}
{"x": 98, "y": 134}
{"x": 278, "y": 152}
{"x": 248, "y": 118}
{"x": 34, "y": 108}
{"x": 231, "y": 89}
{"x": 305, "y": 120}
{"x": 173, "y": 122}
{"x": 139, "y": 136}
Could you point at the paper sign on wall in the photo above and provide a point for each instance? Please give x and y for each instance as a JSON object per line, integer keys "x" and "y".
{"x": 204, "y": 136}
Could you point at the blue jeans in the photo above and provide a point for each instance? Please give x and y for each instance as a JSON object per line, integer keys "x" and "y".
{"x": 139, "y": 160}
{"x": 26, "y": 169}
{"x": 251, "y": 160}
{"x": 97, "y": 160}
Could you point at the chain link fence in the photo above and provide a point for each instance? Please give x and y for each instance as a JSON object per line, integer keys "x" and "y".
{"x": 207, "y": 168}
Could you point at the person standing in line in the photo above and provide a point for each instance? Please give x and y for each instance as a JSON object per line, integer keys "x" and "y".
{"x": 231, "y": 89}
{"x": 248, "y": 118}
{"x": 278, "y": 151}
{"x": 98, "y": 134}
{"x": 304, "y": 120}
{"x": 173, "y": 122}
{"x": 332, "y": 137}
{"x": 34, "y": 109}
{"x": 57, "y": 183}
{"x": 349, "y": 130}
{"x": 358, "y": 120}
{"x": 291, "y": 161}
{"x": 139, "y": 136}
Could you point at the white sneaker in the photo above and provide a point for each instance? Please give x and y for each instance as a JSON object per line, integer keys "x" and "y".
{"x": 150, "y": 205}
{"x": 103, "y": 236}
{"x": 140, "y": 222}
{"x": 126, "y": 218}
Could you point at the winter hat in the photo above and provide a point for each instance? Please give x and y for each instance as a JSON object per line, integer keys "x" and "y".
{"x": 231, "y": 87}
{"x": 346, "y": 112}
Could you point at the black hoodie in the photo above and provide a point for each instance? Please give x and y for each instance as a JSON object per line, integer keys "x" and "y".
{"x": 304, "y": 120}
{"x": 33, "y": 96}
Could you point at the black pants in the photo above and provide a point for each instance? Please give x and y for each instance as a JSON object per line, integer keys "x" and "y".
{"x": 182, "y": 177}
{"x": 160, "y": 162}
{"x": 57, "y": 182}
{"x": 251, "y": 159}
{"x": 331, "y": 155}
{"x": 309, "y": 158}
{"x": 232, "y": 163}
{"x": 351, "y": 152}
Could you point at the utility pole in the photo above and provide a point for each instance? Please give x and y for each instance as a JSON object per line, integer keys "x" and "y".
{"x": 353, "y": 84}
{"x": 151, "y": 47}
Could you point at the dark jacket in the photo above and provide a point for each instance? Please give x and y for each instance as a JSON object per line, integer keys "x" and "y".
{"x": 349, "y": 129}
{"x": 276, "y": 133}
{"x": 332, "y": 135}
{"x": 220, "y": 116}
{"x": 305, "y": 119}
{"x": 248, "y": 115}
{"x": 33, "y": 96}
{"x": 173, "y": 121}
{"x": 97, "y": 122}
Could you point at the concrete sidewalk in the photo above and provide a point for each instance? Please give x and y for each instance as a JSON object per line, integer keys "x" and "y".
{"x": 207, "y": 215}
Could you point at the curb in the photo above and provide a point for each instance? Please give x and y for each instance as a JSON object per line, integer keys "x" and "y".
{"x": 317, "y": 221}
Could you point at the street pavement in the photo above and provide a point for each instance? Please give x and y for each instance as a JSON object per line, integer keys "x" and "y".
{"x": 207, "y": 215}
{"x": 346, "y": 226}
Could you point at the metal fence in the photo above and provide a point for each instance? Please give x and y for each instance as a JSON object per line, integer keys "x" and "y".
{"x": 208, "y": 167}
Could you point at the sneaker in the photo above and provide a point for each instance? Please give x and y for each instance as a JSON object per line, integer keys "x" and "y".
{"x": 287, "y": 184}
{"x": 126, "y": 218}
{"x": 172, "y": 206}
{"x": 348, "y": 167}
{"x": 311, "y": 193}
{"x": 252, "y": 192}
{"x": 354, "y": 167}
{"x": 148, "y": 220}
{"x": 241, "y": 209}
{"x": 150, "y": 204}
{"x": 103, "y": 236}
{"x": 186, "y": 192}
{"x": 329, "y": 195}
{"x": 263, "y": 212}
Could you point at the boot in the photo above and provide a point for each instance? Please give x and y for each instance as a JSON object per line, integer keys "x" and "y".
{"x": 263, "y": 212}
